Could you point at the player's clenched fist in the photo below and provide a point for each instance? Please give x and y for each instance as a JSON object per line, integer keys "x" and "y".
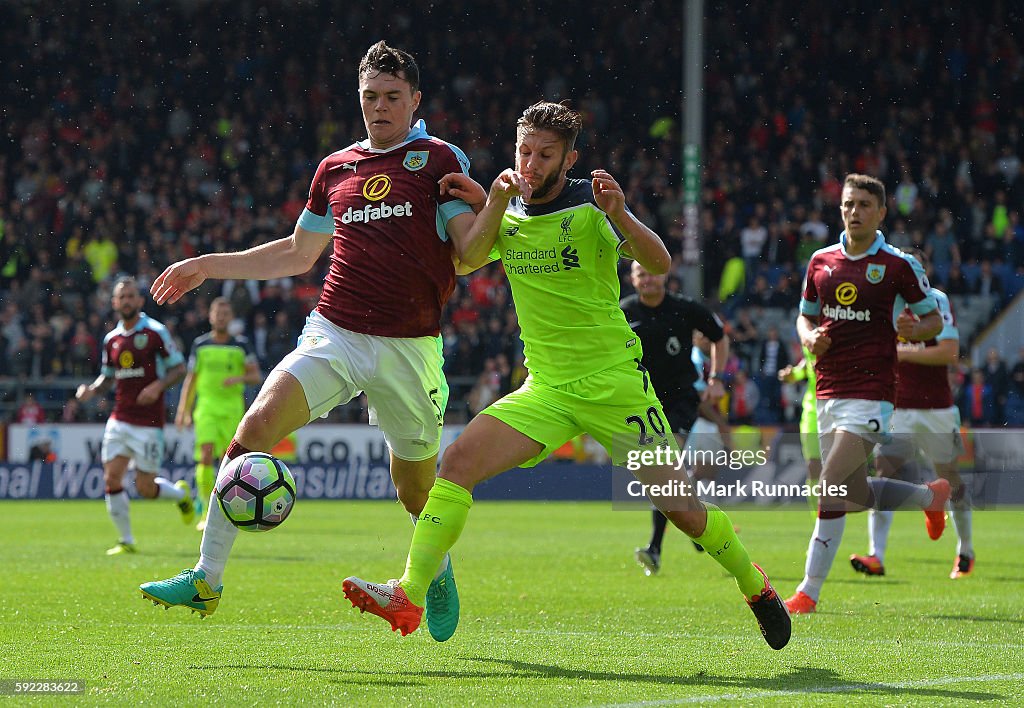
{"x": 511, "y": 183}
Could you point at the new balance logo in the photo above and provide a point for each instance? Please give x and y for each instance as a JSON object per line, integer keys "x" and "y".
{"x": 570, "y": 258}
{"x": 511, "y": 231}
{"x": 823, "y": 541}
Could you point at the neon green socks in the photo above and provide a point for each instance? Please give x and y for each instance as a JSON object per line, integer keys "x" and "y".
{"x": 204, "y": 483}
{"x": 437, "y": 530}
{"x": 721, "y": 543}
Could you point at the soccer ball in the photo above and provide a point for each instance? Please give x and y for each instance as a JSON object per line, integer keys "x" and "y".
{"x": 256, "y": 491}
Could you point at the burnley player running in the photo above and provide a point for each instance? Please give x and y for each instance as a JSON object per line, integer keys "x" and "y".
{"x": 926, "y": 423}
{"x": 850, "y": 293}
{"x": 141, "y": 360}
{"x": 559, "y": 241}
{"x": 376, "y": 327}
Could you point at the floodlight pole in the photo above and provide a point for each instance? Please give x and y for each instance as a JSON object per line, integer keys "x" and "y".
{"x": 693, "y": 139}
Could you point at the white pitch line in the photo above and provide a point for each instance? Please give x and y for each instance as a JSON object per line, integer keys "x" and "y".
{"x": 837, "y": 688}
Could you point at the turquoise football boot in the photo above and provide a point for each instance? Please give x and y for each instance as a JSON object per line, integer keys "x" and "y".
{"x": 443, "y": 606}
{"x": 186, "y": 589}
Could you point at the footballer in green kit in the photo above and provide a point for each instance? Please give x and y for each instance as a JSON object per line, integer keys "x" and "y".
{"x": 213, "y": 396}
{"x": 560, "y": 240}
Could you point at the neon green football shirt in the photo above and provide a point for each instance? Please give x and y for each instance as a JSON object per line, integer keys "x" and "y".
{"x": 212, "y": 362}
{"x": 561, "y": 259}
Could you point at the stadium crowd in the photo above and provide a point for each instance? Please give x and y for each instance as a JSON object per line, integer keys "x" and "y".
{"x": 138, "y": 139}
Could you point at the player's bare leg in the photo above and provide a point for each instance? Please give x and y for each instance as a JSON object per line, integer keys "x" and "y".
{"x": 279, "y": 409}
{"x": 960, "y": 505}
{"x": 846, "y": 464}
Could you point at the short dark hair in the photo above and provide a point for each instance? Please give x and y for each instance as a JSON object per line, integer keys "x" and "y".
{"x": 556, "y": 117}
{"x": 869, "y": 184}
{"x": 382, "y": 59}
{"x": 126, "y": 280}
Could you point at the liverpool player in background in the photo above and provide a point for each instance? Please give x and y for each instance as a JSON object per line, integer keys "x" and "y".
{"x": 220, "y": 364}
{"x": 846, "y": 320}
{"x": 376, "y": 327}
{"x": 141, "y": 360}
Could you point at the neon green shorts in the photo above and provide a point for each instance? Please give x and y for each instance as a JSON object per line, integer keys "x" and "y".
{"x": 809, "y": 443}
{"x": 216, "y": 429}
{"x": 617, "y": 407}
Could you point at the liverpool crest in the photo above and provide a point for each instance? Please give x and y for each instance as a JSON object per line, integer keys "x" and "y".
{"x": 415, "y": 160}
{"x": 875, "y": 273}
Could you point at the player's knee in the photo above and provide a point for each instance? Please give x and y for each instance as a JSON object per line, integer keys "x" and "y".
{"x": 691, "y": 521}
{"x": 257, "y": 431}
{"x": 413, "y": 496}
{"x": 458, "y": 467}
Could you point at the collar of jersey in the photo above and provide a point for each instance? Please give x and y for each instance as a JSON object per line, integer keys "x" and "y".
{"x": 138, "y": 325}
{"x": 572, "y": 195}
{"x": 872, "y": 249}
{"x": 416, "y": 132}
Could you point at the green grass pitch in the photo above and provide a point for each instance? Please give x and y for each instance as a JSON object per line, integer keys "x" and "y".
{"x": 554, "y": 612}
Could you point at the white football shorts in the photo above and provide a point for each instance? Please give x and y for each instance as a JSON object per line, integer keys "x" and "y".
{"x": 934, "y": 432}
{"x": 402, "y": 378}
{"x": 142, "y": 443}
{"x": 871, "y": 420}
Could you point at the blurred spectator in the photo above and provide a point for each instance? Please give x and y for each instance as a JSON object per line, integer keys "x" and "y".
{"x": 772, "y": 355}
{"x": 1017, "y": 373}
{"x": 997, "y": 377}
{"x": 956, "y": 283}
{"x": 989, "y": 283}
{"x": 83, "y": 352}
{"x": 978, "y": 403}
{"x": 487, "y": 388}
{"x": 743, "y": 399}
{"x": 30, "y": 412}
{"x": 745, "y": 339}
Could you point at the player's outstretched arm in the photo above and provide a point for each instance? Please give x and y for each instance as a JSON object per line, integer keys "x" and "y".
{"x": 474, "y": 238}
{"x": 286, "y": 256}
{"x": 645, "y": 246}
